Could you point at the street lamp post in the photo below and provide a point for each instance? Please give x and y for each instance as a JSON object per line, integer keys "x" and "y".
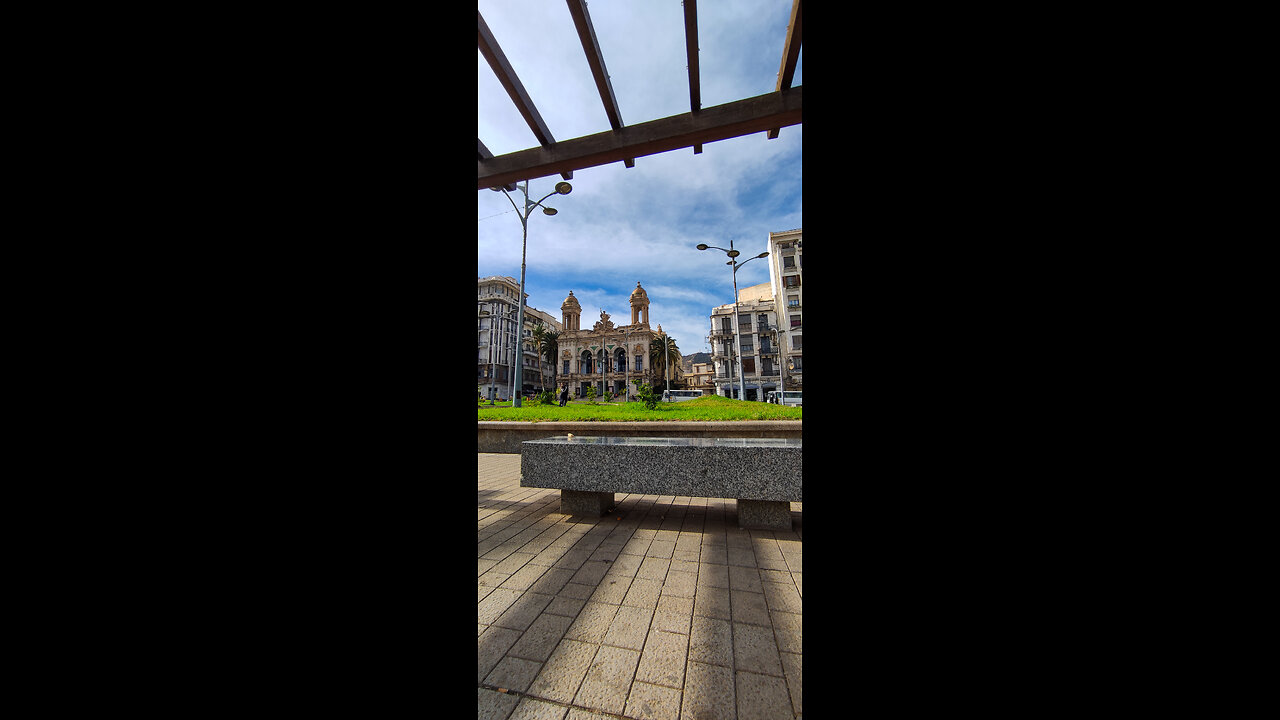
{"x": 626, "y": 365}
{"x": 733, "y": 262}
{"x": 562, "y": 188}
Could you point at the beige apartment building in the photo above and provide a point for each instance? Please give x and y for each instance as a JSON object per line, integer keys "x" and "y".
{"x": 770, "y": 328}
{"x": 700, "y": 377}
{"x": 497, "y": 310}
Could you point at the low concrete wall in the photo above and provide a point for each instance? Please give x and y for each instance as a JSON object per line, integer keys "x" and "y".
{"x": 495, "y": 436}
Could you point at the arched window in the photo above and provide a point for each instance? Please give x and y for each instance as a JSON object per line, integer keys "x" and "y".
{"x": 584, "y": 363}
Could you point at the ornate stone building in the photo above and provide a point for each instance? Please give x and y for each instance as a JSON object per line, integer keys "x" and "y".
{"x": 606, "y": 356}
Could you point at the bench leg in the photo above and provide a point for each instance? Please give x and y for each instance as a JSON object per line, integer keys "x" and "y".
{"x": 594, "y": 504}
{"x": 764, "y": 515}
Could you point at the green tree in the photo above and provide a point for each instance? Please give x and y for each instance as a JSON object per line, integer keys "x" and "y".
{"x": 645, "y": 393}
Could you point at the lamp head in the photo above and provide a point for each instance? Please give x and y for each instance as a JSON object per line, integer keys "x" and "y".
{"x": 702, "y": 246}
{"x": 564, "y": 188}
{"x": 763, "y": 254}
{"x": 733, "y": 253}
{"x": 549, "y": 211}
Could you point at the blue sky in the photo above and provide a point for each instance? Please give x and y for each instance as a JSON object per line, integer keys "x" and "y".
{"x": 621, "y": 225}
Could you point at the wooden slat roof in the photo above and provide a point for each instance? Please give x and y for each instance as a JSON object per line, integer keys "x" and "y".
{"x": 764, "y": 113}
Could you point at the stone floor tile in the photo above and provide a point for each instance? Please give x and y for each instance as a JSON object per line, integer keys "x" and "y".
{"x": 782, "y": 597}
{"x": 576, "y": 591}
{"x": 749, "y": 607}
{"x": 513, "y": 673}
{"x": 513, "y": 562}
{"x": 711, "y": 641}
{"x": 551, "y": 581}
{"x": 761, "y": 697}
{"x": 533, "y": 709}
{"x": 569, "y": 607}
{"x": 653, "y": 702}
{"x": 608, "y": 680}
{"x": 710, "y": 553}
{"x": 493, "y": 578}
{"x": 625, "y": 565}
{"x": 493, "y": 705}
{"x": 713, "y": 575}
{"x": 663, "y": 659}
{"x": 541, "y": 638}
{"x": 494, "y": 604}
{"x": 491, "y": 646}
{"x": 592, "y": 622}
{"x": 680, "y": 584}
{"x": 673, "y": 614}
{"x": 524, "y": 578}
{"x": 742, "y": 556}
{"x": 709, "y": 693}
{"x": 524, "y": 611}
{"x": 653, "y": 568}
{"x": 755, "y": 650}
{"x": 643, "y": 593}
{"x": 744, "y": 578}
{"x": 629, "y": 627}
{"x": 712, "y": 602}
{"x": 661, "y": 549}
{"x": 787, "y": 630}
{"x": 590, "y": 572}
{"x": 562, "y": 673}
{"x": 792, "y": 666}
{"x": 782, "y": 576}
{"x": 612, "y": 589}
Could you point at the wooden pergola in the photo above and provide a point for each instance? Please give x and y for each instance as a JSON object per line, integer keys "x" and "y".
{"x": 764, "y": 113}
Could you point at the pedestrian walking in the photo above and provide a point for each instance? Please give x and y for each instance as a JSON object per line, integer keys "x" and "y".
{"x": 564, "y": 396}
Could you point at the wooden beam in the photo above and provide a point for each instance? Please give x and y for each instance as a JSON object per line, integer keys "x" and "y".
{"x": 482, "y": 153}
{"x": 790, "y": 54}
{"x": 691, "y": 53}
{"x": 511, "y": 83}
{"x": 741, "y": 117}
{"x": 595, "y": 60}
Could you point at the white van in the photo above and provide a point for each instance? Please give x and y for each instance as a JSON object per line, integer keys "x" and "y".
{"x": 785, "y": 397}
{"x": 680, "y": 395}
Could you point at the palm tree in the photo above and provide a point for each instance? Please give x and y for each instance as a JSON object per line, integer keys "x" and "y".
{"x": 662, "y": 347}
{"x": 548, "y": 347}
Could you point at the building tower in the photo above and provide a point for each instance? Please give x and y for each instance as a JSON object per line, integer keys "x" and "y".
{"x": 639, "y": 306}
{"x": 571, "y": 313}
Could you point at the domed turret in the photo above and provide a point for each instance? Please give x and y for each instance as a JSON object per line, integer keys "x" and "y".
{"x": 639, "y": 306}
{"x": 571, "y": 313}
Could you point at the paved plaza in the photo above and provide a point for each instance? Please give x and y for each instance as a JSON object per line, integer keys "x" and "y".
{"x": 662, "y": 609}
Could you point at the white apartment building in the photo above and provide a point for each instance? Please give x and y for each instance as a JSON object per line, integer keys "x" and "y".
{"x": 770, "y": 328}
{"x": 497, "y": 310}
{"x": 786, "y": 266}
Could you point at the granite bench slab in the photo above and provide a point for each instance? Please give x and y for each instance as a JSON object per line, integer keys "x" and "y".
{"x": 763, "y": 474}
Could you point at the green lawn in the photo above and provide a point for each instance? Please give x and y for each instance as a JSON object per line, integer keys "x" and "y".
{"x": 712, "y": 407}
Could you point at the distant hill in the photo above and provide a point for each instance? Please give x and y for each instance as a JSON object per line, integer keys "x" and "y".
{"x": 687, "y": 361}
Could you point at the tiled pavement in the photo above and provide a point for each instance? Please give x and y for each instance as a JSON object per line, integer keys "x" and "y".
{"x": 664, "y": 608}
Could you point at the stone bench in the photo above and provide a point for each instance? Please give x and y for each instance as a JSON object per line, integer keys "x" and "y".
{"x": 762, "y": 474}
